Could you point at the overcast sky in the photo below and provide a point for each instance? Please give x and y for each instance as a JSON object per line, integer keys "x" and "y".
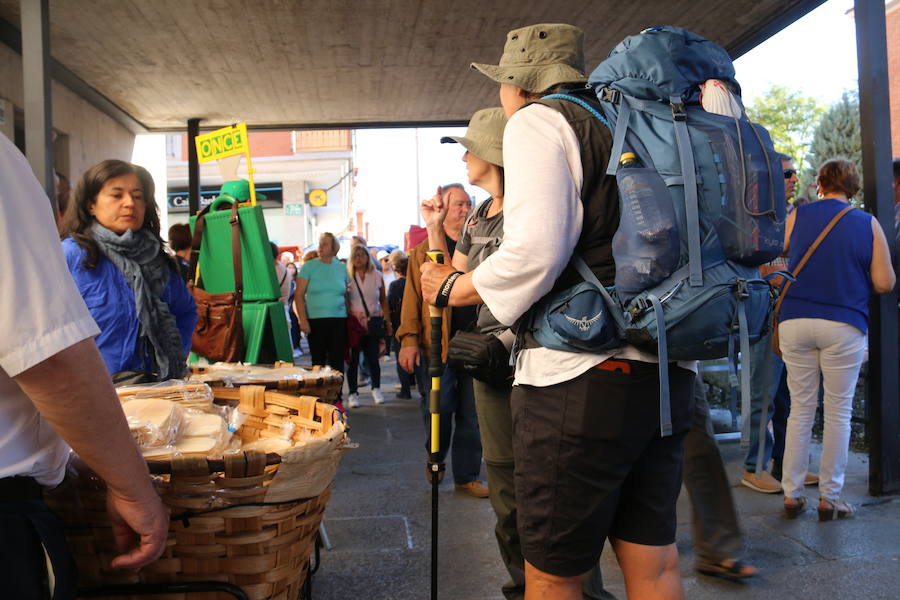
{"x": 816, "y": 55}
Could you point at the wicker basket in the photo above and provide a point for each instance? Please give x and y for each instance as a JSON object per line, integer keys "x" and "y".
{"x": 225, "y": 526}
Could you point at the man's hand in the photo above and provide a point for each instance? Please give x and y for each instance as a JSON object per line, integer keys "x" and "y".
{"x": 433, "y": 275}
{"x": 409, "y": 358}
{"x": 304, "y": 326}
{"x": 140, "y": 529}
{"x": 434, "y": 211}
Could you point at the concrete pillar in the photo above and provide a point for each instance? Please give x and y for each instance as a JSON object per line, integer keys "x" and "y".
{"x": 36, "y": 78}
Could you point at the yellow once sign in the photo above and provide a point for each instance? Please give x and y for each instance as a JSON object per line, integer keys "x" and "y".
{"x": 318, "y": 197}
{"x": 222, "y": 143}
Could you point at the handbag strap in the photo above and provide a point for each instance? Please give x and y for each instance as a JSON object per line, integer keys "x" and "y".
{"x": 236, "y": 263}
{"x": 809, "y": 252}
{"x": 361, "y": 296}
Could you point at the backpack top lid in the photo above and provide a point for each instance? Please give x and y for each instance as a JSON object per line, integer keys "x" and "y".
{"x": 661, "y": 62}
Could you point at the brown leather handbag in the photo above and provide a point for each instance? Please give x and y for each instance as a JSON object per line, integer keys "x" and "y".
{"x": 776, "y": 347}
{"x": 219, "y": 333}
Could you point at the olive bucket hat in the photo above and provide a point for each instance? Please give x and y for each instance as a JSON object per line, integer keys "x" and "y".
{"x": 484, "y": 136}
{"x": 537, "y": 57}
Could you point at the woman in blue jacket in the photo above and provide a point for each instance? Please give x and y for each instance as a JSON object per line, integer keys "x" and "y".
{"x": 131, "y": 286}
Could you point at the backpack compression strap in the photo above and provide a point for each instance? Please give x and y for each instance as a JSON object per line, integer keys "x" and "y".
{"x": 744, "y": 333}
{"x": 691, "y": 202}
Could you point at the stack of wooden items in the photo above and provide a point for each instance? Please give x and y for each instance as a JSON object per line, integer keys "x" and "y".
{"x": 244, "y": 458}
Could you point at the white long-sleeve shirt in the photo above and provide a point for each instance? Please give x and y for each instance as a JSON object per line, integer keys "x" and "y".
{"x": 542, "y": 224}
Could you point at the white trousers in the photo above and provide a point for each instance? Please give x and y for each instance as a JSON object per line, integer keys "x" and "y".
{"x": 835, "y": 350}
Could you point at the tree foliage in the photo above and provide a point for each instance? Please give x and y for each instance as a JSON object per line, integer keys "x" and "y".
{"x": 791, "y": 118}
{"x": 838, "y": 136}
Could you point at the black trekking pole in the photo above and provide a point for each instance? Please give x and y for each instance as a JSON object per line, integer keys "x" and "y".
{"x": 435, "y": 466}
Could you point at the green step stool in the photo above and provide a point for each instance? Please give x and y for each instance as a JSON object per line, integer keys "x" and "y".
{"x": 266, "y": 335}
{"x": 260, "y": 282}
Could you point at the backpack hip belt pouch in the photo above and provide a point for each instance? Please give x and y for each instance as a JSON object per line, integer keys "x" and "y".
{"x": 581, "y": 318}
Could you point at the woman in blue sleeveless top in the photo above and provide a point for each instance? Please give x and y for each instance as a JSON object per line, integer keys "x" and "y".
{"x": 823, "y": 324}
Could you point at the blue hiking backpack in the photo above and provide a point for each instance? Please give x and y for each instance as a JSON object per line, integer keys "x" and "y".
{"x": 701, "y": 203}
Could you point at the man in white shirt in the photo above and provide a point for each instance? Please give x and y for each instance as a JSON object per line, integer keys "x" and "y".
{"x": 55, "y": 393}
{"x": 590, "y": 461}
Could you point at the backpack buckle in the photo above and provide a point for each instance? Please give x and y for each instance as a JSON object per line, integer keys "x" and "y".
{"x": 741, "y": 290}
{"x": 610, "y": 95}
{"x": 678, "y": 111}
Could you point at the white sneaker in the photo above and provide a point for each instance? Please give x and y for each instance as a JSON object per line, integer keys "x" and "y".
{"x": 353, "y": 400}
{"x": 377, "y": 396}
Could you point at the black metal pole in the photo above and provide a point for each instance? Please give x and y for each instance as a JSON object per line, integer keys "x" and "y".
{"x": 884, "y": 363}
{"x": 435, "y": 370}
{"x": 193, "y": 130}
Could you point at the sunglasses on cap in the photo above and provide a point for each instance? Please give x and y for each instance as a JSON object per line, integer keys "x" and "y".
{"x": 788, "y": 173}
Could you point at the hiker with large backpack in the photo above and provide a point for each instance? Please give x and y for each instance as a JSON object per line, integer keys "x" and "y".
{"x": 609, "y": 294}
{"x": 591, "y": 462}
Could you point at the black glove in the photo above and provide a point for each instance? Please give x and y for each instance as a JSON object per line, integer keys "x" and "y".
{"x": 482, "y": 356}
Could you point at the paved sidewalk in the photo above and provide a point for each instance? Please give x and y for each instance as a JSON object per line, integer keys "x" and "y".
{"x": 379, "y": 521}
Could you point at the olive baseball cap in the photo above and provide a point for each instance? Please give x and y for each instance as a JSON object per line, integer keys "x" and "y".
{"x": 537, "y": 57}
{"x": 484, "y": 136}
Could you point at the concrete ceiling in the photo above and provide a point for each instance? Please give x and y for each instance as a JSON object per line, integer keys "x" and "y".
{"x": 341, "y": 63}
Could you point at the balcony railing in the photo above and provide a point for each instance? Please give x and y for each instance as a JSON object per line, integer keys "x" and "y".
{"x": 322, "y": 140}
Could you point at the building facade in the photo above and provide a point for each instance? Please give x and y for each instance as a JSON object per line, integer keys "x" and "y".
{"x": 893, "y": 48}
{"x": 288, "y": 166}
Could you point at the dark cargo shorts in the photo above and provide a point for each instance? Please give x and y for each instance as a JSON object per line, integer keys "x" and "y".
{"x": 590, "y": 464}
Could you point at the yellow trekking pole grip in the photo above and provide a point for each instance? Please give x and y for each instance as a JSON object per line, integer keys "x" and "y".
{"x": 435, "y": 365}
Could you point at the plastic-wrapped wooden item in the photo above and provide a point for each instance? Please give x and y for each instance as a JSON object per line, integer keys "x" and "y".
{"x": 322, "y": 382}
{"x": 274, "y": 413}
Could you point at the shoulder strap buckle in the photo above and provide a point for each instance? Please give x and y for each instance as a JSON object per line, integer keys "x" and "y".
{"x": 610, "y": 95}
{"x": 678, "y": 111}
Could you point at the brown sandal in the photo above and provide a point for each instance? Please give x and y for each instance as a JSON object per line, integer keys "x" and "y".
{"x": 830, "y": 510}
{"x": 792, "y": 510}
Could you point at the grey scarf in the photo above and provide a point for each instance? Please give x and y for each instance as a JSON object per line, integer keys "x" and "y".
{"x": 136, "y": 254}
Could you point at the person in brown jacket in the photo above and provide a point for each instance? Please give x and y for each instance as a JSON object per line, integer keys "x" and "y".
{"x": 459, "y": 422}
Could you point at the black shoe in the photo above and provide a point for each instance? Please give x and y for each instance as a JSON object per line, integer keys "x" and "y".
{"x": 404, "y": 395}
{"x": 776, "y": 469}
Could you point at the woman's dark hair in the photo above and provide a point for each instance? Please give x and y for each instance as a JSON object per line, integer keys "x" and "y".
{"x": 180, "y": 237}
{"x": 78, "y": 218}
{"x": 839, "y": 175}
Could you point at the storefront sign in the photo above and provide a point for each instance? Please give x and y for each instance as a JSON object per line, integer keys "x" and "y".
{"x": 293, "y": 210}
{"x": 222, "y": 143}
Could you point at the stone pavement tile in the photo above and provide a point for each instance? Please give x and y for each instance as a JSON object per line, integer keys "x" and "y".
{"x": 874, "y": 531}
{"x": 381, "y": 501}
